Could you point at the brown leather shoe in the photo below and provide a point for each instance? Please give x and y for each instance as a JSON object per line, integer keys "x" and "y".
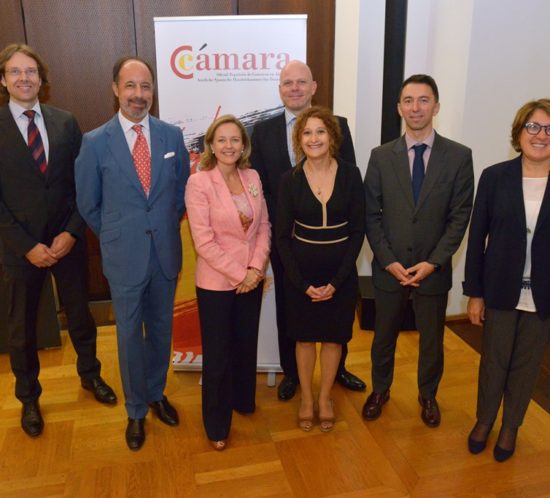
{"x": 373, "y": 406}
{"x": 430, "y": 411}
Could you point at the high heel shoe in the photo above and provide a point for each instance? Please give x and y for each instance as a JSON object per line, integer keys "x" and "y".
{"x": 219, "y": 445}
{"x": 306, "y": 422}
{"x": 509, "y": 436}
{"x": 326, "y": 424}
{"x": 476, "y": 446}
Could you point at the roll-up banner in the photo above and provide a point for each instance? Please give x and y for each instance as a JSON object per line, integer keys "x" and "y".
{"x": 209, "y": 66}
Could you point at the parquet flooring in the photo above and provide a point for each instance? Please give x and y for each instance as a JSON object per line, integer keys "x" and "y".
{"x": 82, "y": 452}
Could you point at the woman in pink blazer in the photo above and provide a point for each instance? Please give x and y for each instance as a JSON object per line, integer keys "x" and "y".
{"x": 231, "y": 232}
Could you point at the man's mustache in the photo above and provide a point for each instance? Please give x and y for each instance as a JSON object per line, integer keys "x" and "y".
{"x": 137, "y": 101}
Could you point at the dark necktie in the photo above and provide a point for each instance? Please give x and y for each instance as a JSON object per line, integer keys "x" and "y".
{"x": 418, "y": 170}
{"x": 35, "y": 143}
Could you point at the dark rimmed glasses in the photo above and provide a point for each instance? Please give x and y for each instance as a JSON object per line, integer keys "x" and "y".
{"x": 534, "y": 128}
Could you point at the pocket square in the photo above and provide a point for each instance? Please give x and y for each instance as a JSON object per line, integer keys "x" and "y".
{"x": 168, "y": 155}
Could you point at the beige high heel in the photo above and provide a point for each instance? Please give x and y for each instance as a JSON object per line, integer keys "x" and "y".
{"x": 219, "y": 445}
{"x": 306, "y": 423}
{"x": 326, "y": 424}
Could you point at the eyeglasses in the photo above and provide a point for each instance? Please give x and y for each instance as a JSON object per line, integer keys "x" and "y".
{"x": 16, "y": 72}
{"x": 534, "y": 128}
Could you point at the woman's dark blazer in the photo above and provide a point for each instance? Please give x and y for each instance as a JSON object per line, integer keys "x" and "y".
{"x": 497, "y": 242}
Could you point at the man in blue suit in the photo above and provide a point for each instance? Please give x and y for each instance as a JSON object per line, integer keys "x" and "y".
{"x": 130, "y": 182}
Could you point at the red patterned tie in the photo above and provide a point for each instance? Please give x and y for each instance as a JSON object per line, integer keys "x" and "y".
{"x": 35, "y": 143}
{"x": 142, "y": 159}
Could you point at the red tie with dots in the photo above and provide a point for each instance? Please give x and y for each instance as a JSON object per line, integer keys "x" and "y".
{"x": 35, "y": 143}
{"x": 142, "y": 159}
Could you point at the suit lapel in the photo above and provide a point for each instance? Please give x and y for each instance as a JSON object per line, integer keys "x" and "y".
{"x": 157, "y": 151}
{"x": 545, "y": 207}
{"x": 118, "y": 146}
{"x": 222, "y": 191}
{"x": 513, "y": 184}
{"x": 402, "y": 170}
{"x": 544, "y": 212}
{"x": 54, "y": 136}
{"x": 253, "y": 200}
{"x": 436, "y": 164}
{"x": 18, "y": 147}
{"x": 280, "y": 138}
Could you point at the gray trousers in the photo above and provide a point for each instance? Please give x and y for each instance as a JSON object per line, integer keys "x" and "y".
{"x": 429, "y": 313}
{"x": 513, "y": 348}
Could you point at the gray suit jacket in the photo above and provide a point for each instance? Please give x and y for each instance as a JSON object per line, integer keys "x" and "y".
{"x": 397, "y": 230}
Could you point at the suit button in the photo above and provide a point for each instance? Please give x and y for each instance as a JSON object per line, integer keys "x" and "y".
{"x": 148, "y": 232}
{"x": 148, "y": 209}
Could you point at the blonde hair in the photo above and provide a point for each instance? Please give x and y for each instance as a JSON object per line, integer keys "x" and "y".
{"x": 208, "y": 159}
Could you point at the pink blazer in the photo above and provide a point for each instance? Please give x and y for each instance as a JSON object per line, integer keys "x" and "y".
{"x": 224, "y": 249}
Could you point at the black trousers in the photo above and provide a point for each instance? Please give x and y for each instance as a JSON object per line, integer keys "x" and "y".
{"x": 429, "y": 313}
{"x": 229, "y": 330}
{"x": 24, "y": 286}
{"x": 514, "y": 343}
{"x": 287, "y": 346}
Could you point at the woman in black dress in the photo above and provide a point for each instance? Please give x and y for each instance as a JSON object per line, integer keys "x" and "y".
{"x": 320, "y": 230}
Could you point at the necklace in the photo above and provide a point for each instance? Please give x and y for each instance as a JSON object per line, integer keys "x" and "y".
{"x": 233, "y": 182}
{"x": 319, "y": 180}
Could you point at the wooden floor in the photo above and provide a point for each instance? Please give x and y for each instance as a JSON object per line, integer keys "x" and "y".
{"x": 473, "y": 335}
{"x": 82, "y": 452}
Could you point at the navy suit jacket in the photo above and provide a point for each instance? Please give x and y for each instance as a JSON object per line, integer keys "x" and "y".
{"x": 270, "y": 155}
{"x": 111, "y": 199}
{"x": 497, "y": 242}
{"x": 35, "y": 207}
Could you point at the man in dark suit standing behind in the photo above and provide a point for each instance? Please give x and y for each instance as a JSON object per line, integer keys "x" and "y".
{"x": 272, "y": 155}
{"x": 419, "y": 191}
{"x": 130, "y": 180}
{"x": 40, "y": 228}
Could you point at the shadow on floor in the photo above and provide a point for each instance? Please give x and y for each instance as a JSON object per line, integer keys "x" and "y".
{"x": 471, "y": 334}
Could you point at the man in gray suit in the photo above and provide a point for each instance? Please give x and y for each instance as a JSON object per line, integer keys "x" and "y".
{"x": 419, "y": 190}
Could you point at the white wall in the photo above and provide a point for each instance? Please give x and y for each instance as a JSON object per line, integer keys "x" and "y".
{"x": 358, "y": 76}
{"x": 488, "y": 58}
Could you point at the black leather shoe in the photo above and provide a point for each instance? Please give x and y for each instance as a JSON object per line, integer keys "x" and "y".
{"x": 102, "y": 392}
{"x": 430, "y": 411}
{"x": 31, "y": 419}
{"x": 373, "y": 406}
{"x": 287, "y": 388}
{"x": 135, "y": 433}
{"x": 165, "y": 411}
{"x": 349, "y": 381}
